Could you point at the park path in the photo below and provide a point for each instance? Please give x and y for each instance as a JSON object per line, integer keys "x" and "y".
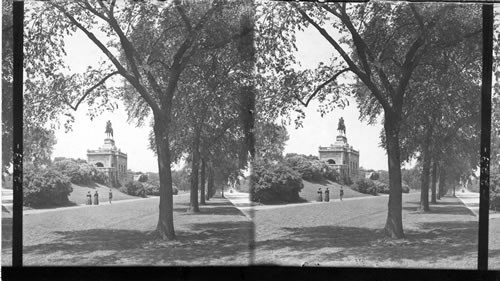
{"x": 242, "y": 201}
{"x": 471, "y": 201}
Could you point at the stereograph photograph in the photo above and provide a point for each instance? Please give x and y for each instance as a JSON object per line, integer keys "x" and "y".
{"x": 220, "y": 133}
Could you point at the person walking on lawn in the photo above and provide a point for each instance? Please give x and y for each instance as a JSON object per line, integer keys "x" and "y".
{"x": 110, "y": 195}
{"x": 89, "y": 198}
{"x": 341, "y": 192}
{"x": 96, "y": 198}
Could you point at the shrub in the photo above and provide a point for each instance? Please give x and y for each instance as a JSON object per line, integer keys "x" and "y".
{"x": 275, "y": 183}
{"x": 46, "y": 187}
{"x": 374, "y": 176}
{"x": 309, "y": 168}
{"x": 381, "y": 187}
{"x": 151, "y": 189}
{"x": 495, "y": 192}
{"x": 143, "y": 178}
{"x": 134, "y": 188}
{"x": 406, "y": 188}
{"x": 331, "y": 174}
{"x": 365, "y": 186}
{"x": 78, "y": 174}
{"x": 175, "y": 190}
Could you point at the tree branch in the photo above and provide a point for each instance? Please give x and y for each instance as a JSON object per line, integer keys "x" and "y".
{"x": 87, "y": 92}
{"x": 305, "y": 104}
{"x": 133, "y": 80}
{"x": 353, "y": 67}
{"x": 183, "y": 15}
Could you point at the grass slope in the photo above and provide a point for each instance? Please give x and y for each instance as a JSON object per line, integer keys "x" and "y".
{"x": 310, "y": 190}
{"x": 79, "y": 194}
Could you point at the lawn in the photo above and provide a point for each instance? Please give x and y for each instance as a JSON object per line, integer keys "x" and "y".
{"x": 119, "y": 234}
{"x": 310, "y": 190}
{"x": 79, "y": 194}
{"x": 494, "y": 244}
{"x": 350, "y": 233}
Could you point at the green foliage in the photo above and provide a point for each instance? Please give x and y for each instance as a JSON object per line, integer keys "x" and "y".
{"x": 134, "y": 188}
{"x": 45, "y": 187}
{"x": 275, "y": 183}
{"x": 79, "y": 171}
{"x": 143, "y": 178}
{"x": 38, "y": 144}
{"x": 374, "y": 176}
{"x": 495, "y": 192}
{"x": 365, "y": 186}
{"x": 151, "y": 189}
{"x": 270, "y": 140}
{"x": 180, "y": 179}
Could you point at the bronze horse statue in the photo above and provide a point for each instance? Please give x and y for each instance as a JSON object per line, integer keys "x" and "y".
{"x": 341, "y": 126}
{"x": 109, "y": 129}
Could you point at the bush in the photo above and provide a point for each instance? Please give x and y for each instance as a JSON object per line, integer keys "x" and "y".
{"x": 46, "y": 187}
{"x": 374, "y": 176}
{"x": 331, "y": 174}
{"x": 275, "y": 183}
{"x": 495, "y": 192}
{"x": 310, "y": 169}
{"x": 381, "y": 187}
{"x": 72, "y": 169}
{"x": 406, "y": 188}
{"x": 365, "y": 186}
{"x": 134, "y": 188}
{"x": 151, "y": 189}
{"x": 143, "y": 178}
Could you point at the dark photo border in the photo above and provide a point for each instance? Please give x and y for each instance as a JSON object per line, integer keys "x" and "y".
{"x": 20, "y": 272}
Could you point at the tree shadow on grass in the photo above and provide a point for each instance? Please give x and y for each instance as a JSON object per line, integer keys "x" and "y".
{"x": 443, "y": 208}
{"x": 200, "y": 244}
{"x": 211, "y": 208}
{"x": 433, "y": 241}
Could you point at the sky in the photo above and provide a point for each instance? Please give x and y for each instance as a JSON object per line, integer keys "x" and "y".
{"x": 316, "y": 131}
{"x": 321, "y": 131}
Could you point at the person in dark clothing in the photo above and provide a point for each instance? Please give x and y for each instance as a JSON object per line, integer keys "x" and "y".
{"x": 96, "y": 198}
{"x": 89, "y": 198}
{"x": 341, "y": 192}
{"x": 320, "y": 195}
{"x": 327, "y": 195}
{"x": 110, "y": 195}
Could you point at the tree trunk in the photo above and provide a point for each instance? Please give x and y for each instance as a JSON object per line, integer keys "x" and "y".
{"x": 434, "y": 181}
{"x": 202, "y": 182}
{"x": 426, "y": 170}
{"x": 195, "y": 168}
{"x": 165, "y": 226}
{"x": 394, "y": 223}
{"x": 210, "y": 185}
{"x": 442, "y": 181}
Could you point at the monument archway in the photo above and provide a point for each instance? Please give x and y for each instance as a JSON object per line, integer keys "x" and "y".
{"x": 331, "y": 161}
{"x": 99, "y": 164}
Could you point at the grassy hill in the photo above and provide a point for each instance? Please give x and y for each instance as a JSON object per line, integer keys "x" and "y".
{"x": 78, "y": 196}
{"x": 310, "y": 190}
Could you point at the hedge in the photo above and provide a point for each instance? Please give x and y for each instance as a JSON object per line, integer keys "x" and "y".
{"x": 275, "y": 183}
{"x": 46, "y": 187}
{"x": 134, "y": 188}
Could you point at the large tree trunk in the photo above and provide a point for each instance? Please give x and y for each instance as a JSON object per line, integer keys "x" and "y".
{"x": 210, "y": 185}
{"x": 202, "y": 182}
{"x": 434, "y": 181}
{"x": 394, "y": 223}
{"x": 195, "y": 167}
{"x": 165, "y": 227}
{"x": 426, "y": 170}
{"x": 442, "y": 181}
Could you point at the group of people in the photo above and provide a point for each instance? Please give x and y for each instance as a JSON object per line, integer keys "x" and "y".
{"x": 327, "y": 194}
{"x": 96, "y": 197}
